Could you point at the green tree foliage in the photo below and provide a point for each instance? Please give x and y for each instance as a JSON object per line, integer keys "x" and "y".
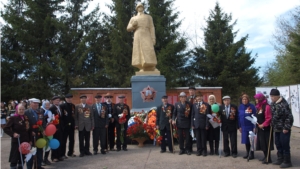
{"x": 285, "y": 69}
{"x": 117, "y": 57}
{"x": 170, "y": 44}
{"x": 222, "y": 61}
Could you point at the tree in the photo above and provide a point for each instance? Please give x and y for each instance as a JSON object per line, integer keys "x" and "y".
{"x": 118, "y": 52}
{"x": 284, "y": 70}
{"x": 222, "y": 61}
{"x": 170, "y": 44}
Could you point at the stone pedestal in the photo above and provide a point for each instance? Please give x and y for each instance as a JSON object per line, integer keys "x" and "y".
{"x": 147, "y": 91}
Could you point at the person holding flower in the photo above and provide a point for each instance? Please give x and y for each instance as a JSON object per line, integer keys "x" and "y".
{"x": 48, "y": 117}
{"x": 246, "y": 109}
{"x": 101, "y": 124}
{"x": 122, "y": 115}
{"x": 163, "y": 120}
{"x": 200, "y": 123}
{"x": 35, "y": 117}
{"x": 18, "y": 128}
{"x": 182, "y": 119}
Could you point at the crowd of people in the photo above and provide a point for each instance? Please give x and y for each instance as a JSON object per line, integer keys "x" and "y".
{"x": 189, "y": 115}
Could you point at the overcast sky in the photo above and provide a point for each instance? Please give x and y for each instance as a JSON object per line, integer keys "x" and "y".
{"x": 254, "y": 17}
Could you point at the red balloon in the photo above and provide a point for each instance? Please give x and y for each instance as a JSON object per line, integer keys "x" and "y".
{"x": 50, "y": 130}
{"x": 25, "y": 148}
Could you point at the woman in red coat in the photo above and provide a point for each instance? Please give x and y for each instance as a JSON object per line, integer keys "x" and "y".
{"x": 17, "y": 127}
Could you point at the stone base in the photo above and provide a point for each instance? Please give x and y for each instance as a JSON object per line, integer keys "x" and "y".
{"x": 138, "y": 85}
{"x": 148, "y": 73}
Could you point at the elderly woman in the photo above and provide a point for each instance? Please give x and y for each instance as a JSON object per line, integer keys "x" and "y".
{"x": 264, "y": 117}
{"x": 213, "y": 133}
{"x": 246, "y": 109}
{"x": 17, "y": 128}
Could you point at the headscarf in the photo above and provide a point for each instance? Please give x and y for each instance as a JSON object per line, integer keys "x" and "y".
{"x": 261, "y": 100}
{"x": 47, "y": 111}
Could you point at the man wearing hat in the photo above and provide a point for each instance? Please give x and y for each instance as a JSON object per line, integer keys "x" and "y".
{"x": 163, "y": 121}
{"x": 282, "y": 122}
{"x": 121, "y": 109}
{"x": 200, "y": 123}
{"x": 192, "y": 94}
{"x": 229, "y": 119}
{"x": 101, "y": 125}
{"x": 68, "y": 113}
{"x": 112, "y": 121}
{"x": 84, "y": 122}
{"x": 34, "y": 115}
{"x": 182, "y": 119}
{"x": 57, "y": 154}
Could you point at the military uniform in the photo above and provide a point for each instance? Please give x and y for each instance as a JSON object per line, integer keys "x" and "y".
{"x": 68, "y": 114}
{"x": 164, "y": 114}
{"x": 200, "y": 124}
{"x": 119, "y": 109}
{"x": 101, "y": 122}
{"x": 182, "y": 116}
{"x": 111, "y": 124}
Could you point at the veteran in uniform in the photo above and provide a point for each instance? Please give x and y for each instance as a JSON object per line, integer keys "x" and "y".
{"x": 84, "y": 122}
{"x": 101, "y": 125}
{"x": 163, "y": 121}
{"x": 182, "y": 119}
{"x": 112, "y": 120}
{"x": 68, "y": 114}
{"x": 122, "y": 109}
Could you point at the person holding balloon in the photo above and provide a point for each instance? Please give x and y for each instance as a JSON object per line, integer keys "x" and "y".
{"x": 48, "y": 117}
{"x": 19, "y": 130}
{"x": 35, "y": 117}
{"x": 246, "y": 109}
{"x": 214, "y": 132}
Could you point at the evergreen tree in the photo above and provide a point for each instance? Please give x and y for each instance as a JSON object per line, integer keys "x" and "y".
{"x": 222, "y": 61}
{"x": 170, "y": 44}
{"x": 118, "y": 51}
{"x": 80, "y": 52}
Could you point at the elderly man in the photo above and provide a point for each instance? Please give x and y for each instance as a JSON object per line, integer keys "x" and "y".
{"x": 229, "y": 118}
{"x": 282, "y": 122}
{"x": 112, "y": 120}
{"x": 84, "y": 122}
{"x": 182, "y": 119}
{"x": 34, "y": 115}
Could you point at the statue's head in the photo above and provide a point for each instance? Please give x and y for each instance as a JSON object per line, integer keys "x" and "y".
{"x": 139, "y": 5}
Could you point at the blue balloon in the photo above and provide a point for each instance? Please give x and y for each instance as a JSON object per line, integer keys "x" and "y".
{"x": 53, "y": 144}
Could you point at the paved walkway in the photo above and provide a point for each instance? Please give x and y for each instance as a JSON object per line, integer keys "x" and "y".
{"x": 149, "y": 157}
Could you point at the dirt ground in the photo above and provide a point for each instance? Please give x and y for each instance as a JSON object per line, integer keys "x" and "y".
{"x": 149, "y": 157}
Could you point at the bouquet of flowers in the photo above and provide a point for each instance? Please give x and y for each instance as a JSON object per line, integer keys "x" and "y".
{"x": 122, "y": 120}
{"x": 158, "y": 137}
{"x": 151, "y": 124}
{"x": 136, "y": 126}
{"x": 214, "y": 119}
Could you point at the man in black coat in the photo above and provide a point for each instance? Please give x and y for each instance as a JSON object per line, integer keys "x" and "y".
{"x": 68, "y": 113}
{"x": 163, "y": 121}
{"x": 229, "y": 120}
{"x": 121, "y": 109}
{"x": 101, "y": 124}
{"x": 112, "y": 120}
{"x": 192, "y": 98}
{"x": 182, "y": 119}
{"x": 34, "y": 115}
{"x": 200, "y": 123}
{"x": 57, "y": 154}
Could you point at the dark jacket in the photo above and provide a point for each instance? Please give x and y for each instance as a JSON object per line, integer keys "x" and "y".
{"x": 20, "y": 126}
{"x": 32, "y": 120}
{"x": 282, "y": 117}
{"x": 68, "y": 115}
{"x": 3, "y": 113}
{"x": 229, "y": 124}
{"x": 182, "y": 120}
{"x": 199, "y": 115}
{"x": 59, "y": 112}
{"x": 164, "y": 114}
{"x": 118, "y": 108}
{"x": 110, "y": 110}
{"x": 100, "y": 120}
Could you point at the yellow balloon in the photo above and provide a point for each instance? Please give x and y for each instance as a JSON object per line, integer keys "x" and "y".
{"x": 40, "y": 143}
